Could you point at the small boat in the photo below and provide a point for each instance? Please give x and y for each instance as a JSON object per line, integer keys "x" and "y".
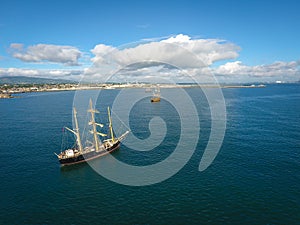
{"x": 156, "y": 95}
{"x": 79, "y": 154}
{"x": 148, "y": 90}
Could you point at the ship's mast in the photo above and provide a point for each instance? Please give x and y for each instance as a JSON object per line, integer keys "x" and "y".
{"x": 157, "y": 91}
{"x": 110, "y": 125}
{"x": 78, "y": 139}
{"x": 93, "y": 123}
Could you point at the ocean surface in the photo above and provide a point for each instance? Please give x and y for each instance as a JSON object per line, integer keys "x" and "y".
{"x": 255, "y": 178}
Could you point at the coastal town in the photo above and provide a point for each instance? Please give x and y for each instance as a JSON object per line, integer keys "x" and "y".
{"x": 9, "y": 90}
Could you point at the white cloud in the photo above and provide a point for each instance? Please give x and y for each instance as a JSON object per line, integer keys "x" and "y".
{"x": 190, "y": 56}
{"x": 174, "y": 50}
{"x": 207, "y": 50}
{"x": 100, "y": 51}
{"x": 274, "y": 69}
{"x": 178, "y": 58}
{"x": 63, "y": 54}
{"x": 180, "y": 51}
{"x": 231, "y": 68}
{"x": 61, "y": 74}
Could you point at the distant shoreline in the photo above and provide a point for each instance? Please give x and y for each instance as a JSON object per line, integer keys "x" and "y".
{"x": 72, "y": 87}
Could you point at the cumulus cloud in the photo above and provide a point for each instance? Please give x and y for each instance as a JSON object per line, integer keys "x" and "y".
{"x": 63, "y": 54}
{"x": 208, "y": 50}
{"x": 184, "y": 55}
{"x": 179, "y": 58}
{"x": 180, "y": 51}
{"x": 101, "y": 51}
{"x": 274, "y": 69}
{"x": 174, "y": 50}
{"x": 62, "y": 74}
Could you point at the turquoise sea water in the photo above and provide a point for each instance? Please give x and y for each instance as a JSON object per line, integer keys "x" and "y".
{"x": 254, "y": 179}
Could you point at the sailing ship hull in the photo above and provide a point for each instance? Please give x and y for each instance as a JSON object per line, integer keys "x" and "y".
{"x": 155, "y": 99}
{"x": 88, "y": 156}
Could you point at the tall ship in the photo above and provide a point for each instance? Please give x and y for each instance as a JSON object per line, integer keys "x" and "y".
{"x": 156, "y": 95}
{"x": 96, "y": 148}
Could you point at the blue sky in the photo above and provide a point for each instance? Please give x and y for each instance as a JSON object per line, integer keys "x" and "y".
{"x": 265, "y": 31}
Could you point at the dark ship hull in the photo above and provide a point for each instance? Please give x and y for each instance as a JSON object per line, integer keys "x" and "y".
{"x": 80, "y": 158}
